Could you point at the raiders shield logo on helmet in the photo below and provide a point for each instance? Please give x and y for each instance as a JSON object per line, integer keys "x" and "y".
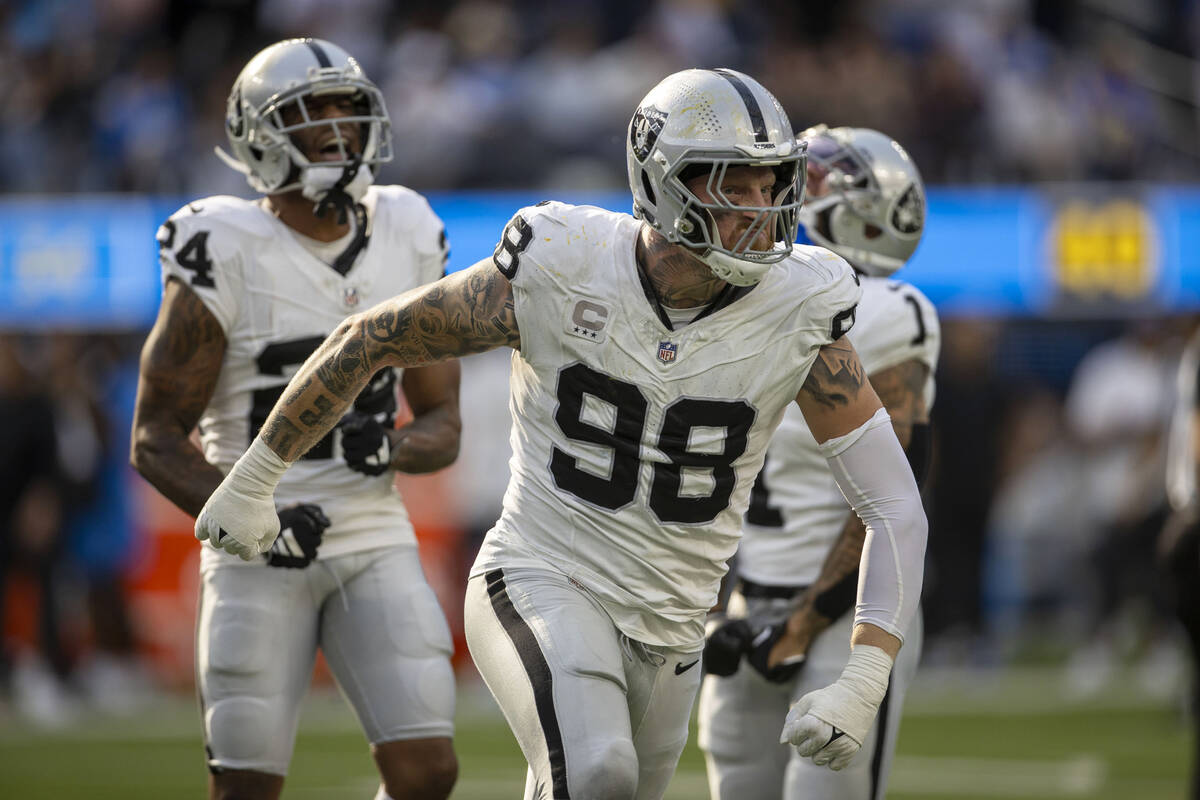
{"x": 643, "y": 132}
{"x": 908, "y": 215}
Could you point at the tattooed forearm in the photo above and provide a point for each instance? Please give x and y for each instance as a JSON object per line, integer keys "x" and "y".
{"x": 836, "y": 376}
{"x": 467, "y": 312}
{"x": 902, "y": 390}
{"x": 283, "y": 436}
{"x": 180, "y": 362}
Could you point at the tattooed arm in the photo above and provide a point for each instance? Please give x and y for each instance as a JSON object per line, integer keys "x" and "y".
{"x": 430, "y": 440}
{"x": 842, "y": 411}
{"x": 837, "y": 397}
{"x": 180, "y": 362}
{"x": 466, "y": 312}
{"x": 902, "y": 390}
{"x": 871, "y": 470}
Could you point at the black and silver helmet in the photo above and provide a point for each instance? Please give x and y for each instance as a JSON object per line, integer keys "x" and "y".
{"x": 703, "y": 121}
{"x": 285, "y": 75}
{"x": 866, "y": 201}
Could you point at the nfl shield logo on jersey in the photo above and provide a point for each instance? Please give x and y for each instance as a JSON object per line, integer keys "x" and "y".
{"x": 350, "y": 297}
{"x": 667, "y": 352}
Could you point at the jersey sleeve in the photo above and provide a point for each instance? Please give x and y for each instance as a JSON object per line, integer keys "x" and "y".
{"x": 514, "y": 246}
{"x": 831, "y": 308}
{"x": 202, "y": 254}
{"x": 431, "y": 244}
{"x": 903, "y": 327}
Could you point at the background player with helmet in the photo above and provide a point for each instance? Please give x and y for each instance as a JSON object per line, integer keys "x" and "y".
{"x": 655, "y": 355}
{"x": 251, "y": 290}
{"x": 798, "y": 561}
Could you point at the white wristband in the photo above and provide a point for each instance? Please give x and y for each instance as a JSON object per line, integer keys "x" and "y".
{"x": 259, "y": 469}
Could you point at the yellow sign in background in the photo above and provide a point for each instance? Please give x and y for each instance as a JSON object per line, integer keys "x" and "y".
{"x": 1108, "y": 250}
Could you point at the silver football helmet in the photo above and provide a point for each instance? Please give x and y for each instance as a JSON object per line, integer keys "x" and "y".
{"x": 866, "y": 201}
{"x": 702, "y": 122}
{"x": 285, "y": 75}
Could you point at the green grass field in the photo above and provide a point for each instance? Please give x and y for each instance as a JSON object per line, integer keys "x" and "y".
{"x": 1011, "y": 737}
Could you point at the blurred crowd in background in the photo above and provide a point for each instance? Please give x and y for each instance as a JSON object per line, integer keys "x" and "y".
{"x": 129, "y": 95}
{"x": 1047, "y": 489}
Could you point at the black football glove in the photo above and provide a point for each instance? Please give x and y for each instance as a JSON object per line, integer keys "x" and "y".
{"x": 759, "y": 650}
{"x": 365, "y": 443}
{"x": 723, "y": 647}
{"x": 300, "y": 530}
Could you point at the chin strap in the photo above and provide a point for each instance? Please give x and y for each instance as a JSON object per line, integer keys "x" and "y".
{"x": 362, "y": 236}
{"x": 737, "y": 271}
{"x": 334, "y": 187}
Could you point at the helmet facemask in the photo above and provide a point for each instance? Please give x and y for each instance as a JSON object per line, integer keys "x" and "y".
{"x": 695, "y": 126}
{"x": 696, "y": 225}
{"x": 264, "y": 128}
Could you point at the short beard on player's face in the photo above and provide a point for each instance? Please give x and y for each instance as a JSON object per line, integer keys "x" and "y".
{"x": 733, "y": 231}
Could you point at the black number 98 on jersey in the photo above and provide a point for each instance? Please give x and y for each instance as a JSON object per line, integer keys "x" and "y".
{"x": 680, "y": 418}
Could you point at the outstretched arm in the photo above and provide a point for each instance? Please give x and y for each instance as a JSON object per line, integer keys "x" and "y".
{"x": 466, "y": 312}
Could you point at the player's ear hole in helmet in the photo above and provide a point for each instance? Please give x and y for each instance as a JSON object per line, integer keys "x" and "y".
{"x": 700, "y": 123}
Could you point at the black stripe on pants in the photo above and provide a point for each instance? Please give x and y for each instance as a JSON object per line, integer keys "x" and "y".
{"x": 881, "y": 723}
{"x": 539, "y": 677}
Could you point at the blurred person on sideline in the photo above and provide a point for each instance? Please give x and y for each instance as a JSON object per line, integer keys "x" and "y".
{"x": 31, "y": 541}
{"x": 1179, "y": 542}
{"x": 797, "y": 564}
{"x": 963, "y": 483}
{"x": 654, "y": 355}
{"x": 1118, "y": 408}
{"x": 95, "y": 378}
{"x": 250, "y": 291}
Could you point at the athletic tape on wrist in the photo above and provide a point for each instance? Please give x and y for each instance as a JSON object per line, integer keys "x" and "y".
{"x": 260, "y": 468}
{"x": 868, "y": 670}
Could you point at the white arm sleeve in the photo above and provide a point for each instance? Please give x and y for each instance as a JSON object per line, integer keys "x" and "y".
{"x": 876, "y": 479}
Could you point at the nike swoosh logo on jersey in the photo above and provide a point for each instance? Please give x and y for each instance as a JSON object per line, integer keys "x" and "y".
{"x": 682, "y": 668}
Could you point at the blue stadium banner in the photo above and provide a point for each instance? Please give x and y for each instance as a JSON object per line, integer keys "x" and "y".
{"x": 1057, "y": 251}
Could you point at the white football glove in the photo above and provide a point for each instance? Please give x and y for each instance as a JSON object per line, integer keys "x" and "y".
{"x": 831, "y": 724}
{"x": 240, "y": 515}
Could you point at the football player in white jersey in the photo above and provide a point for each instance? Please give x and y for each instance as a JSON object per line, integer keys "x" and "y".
{"x": 654, "y": 355}
{"x": 797, "y": 565}
{"x": 250, "y": 291}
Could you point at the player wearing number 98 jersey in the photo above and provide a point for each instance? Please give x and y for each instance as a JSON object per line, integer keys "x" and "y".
{"x": 654, "y": 356}
{"x": 798, "y": 559}
{"x": 251, "y": 289}
{"x": 630, "y": 431}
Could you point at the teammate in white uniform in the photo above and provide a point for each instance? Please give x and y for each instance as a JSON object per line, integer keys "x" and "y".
{"x": 250, "y": 291}
{"x": 798, "y": 561}
{"x": 655, "y": 356}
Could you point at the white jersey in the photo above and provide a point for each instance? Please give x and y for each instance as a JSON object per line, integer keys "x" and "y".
{"x": 797, "y": 510}
{"x": 276, "y": 303}
{"x": 635, "y": 445}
